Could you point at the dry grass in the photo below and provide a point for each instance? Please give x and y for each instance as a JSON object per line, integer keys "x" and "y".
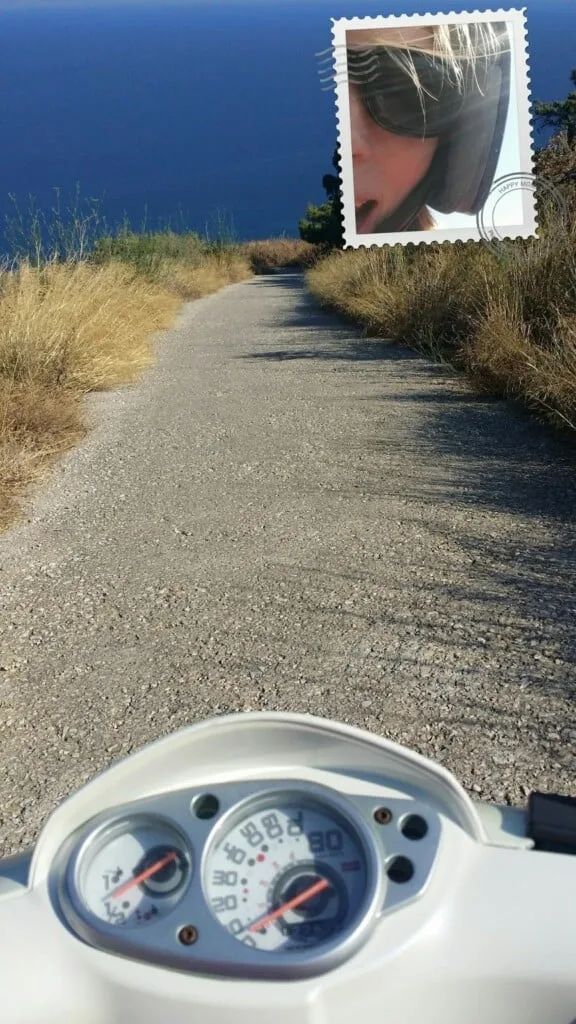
{"x": 81, "y": 318}
{"x": 68, "y": 328}
{"x": 275, "y": 253}
{"x": 212, "y": 273}
{"x": 507, "y": 321}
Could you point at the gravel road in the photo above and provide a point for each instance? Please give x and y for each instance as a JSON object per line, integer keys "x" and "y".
{"x": 282, "y": 516}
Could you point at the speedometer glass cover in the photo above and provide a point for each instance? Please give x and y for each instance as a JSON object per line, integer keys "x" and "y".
{"x": 288, "y": 873}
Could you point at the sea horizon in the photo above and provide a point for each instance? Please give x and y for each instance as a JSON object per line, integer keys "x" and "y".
{"x": 192, "y": 114}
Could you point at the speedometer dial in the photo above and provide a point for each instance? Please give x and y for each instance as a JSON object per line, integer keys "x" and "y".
{"x": 287, "y": 876}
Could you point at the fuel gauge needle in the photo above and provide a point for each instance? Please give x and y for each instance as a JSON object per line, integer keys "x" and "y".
{"x": 116, "y": 893}
{"x": 301, "y": 898}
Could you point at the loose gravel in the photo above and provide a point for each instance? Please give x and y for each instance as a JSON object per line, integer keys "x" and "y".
{"x": 284, "y": 516}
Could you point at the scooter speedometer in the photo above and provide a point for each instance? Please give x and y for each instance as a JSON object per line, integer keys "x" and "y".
{"x": 287, "y": 874}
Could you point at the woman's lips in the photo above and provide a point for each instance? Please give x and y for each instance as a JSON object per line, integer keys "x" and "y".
{"x": 364, "y": 215}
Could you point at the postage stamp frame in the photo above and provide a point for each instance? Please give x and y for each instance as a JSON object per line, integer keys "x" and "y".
{"x": 476, "y": 229}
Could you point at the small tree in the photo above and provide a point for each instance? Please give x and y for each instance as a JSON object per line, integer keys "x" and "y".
{"x": 560, "y": 114}
{"x": 323, "y": 224}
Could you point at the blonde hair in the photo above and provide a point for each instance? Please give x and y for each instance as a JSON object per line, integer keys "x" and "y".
{"x": 423, "y": 221}
{"x": 457, "y": 48}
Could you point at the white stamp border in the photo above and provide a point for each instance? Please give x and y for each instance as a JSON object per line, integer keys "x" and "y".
{"x": 340, "y": 26}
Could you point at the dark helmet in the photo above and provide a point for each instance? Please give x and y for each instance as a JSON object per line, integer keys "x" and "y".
{"x": 469, "y": 152}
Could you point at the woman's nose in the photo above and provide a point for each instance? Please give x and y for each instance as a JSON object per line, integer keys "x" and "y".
{"x": 359, "y": 125}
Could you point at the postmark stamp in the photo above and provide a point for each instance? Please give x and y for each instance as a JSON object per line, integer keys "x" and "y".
{"x": 490, "y": 216}
{"x": 433, "y": 115}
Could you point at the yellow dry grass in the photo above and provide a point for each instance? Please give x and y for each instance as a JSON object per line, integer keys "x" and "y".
{"x": 508, "y": 322}
{"x": 211, "y": 274}
{"x": 270, "y": 254}
{"x": 70, "y": 328}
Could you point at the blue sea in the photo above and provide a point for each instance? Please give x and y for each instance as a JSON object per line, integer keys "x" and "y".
{"x": 193, "y": 114}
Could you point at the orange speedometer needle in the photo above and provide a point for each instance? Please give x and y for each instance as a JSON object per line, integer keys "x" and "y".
{"x": 301, "y": 898}
{"x": 141, "y": 877}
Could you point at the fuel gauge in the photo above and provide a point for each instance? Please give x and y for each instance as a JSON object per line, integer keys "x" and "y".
{"x": 130, "y": 873}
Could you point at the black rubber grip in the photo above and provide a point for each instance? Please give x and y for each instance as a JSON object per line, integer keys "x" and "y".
{"x": 552, "y": 822}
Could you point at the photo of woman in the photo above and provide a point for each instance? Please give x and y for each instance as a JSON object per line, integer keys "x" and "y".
{"x": 428, "y": 107}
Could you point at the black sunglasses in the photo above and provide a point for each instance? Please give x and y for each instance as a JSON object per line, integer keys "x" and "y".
{"x": 392, "y": 98}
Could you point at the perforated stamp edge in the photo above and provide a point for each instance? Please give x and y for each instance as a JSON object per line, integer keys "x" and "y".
{"x": 516, "y": 18}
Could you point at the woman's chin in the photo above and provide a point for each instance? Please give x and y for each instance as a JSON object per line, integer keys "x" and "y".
{"x": 367, "y": 216}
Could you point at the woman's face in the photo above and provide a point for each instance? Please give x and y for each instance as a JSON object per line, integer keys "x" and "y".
{"x": 386, "y": 166}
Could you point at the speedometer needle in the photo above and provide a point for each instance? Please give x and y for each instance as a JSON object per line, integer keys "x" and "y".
{"x": 301, "y": 898}
{"x": 116, "y": 893}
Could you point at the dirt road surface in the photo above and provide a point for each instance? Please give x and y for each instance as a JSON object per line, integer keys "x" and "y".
{"x": 281, "y": 516}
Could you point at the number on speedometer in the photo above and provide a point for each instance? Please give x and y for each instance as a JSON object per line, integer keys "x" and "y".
{"x": 287, "y": 876}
